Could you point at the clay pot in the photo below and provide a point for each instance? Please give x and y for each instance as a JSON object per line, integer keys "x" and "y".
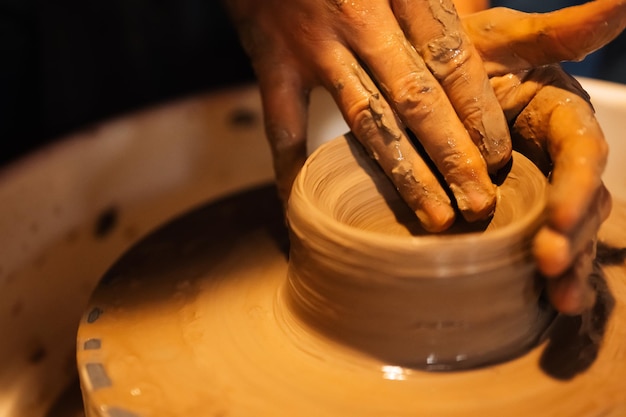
{"x": 363, "y": 272}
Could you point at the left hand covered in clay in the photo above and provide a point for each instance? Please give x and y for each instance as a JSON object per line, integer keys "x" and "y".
{"x": 552, "y": 122}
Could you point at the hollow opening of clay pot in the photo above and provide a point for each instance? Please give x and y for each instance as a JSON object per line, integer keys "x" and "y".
{"x": 362, "y": 270}
{"x": 353, "y": 191}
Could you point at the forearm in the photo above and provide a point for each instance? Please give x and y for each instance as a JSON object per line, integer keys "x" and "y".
{"x": 470, "y": 6}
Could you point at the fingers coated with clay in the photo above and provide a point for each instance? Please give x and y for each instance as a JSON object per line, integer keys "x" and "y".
{"x": 402, "y": 47}
{"x": 554, "y": 122}
{"x": 564, "y": 124}
{"x": 375, "y": 125}
{"x": 559, "y": 121}
{"x": 422, "y": 105}
{"x": 435, "y": 30}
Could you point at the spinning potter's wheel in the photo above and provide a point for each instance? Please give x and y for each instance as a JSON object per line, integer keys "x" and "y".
{"x": 193, "y": 321}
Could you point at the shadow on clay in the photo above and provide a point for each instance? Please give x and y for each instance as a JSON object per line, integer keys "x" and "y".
{"x": 189, "y": 238}
{"x": 574, "y": 341}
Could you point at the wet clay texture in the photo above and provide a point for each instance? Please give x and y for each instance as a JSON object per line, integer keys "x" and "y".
{"x": 207, "y": 317}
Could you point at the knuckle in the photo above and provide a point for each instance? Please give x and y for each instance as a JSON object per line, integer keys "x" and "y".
{"x": 446, "y": 47}
{"x": 350, "y": 11}
{"x": 447, "y": 60}
{"x": 361, "y": 118}
{"x": 603, "y": 151}
{"x": 283, "y": 141}
{"x": 359, "y": 110}
{"x": 414, "y": 96}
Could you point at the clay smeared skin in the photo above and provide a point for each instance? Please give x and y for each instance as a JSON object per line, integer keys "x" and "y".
{"x": 424, "y": 66}
{"x": 451, "y": 56}
{"x": 557, "y": 128}
{"x": 302, "y": 44}
{"x": 422, "y": 91}
{"x": 379, "y": 130}
{"x": 449, "y": 60}
{"x": 384, "y": 137}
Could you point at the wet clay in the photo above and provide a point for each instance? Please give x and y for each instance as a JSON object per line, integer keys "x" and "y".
{"x": 194, "y": 321}
{"x": 363, "y": 273}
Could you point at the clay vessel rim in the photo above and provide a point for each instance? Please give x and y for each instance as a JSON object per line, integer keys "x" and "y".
{"x": 523, "y": 226}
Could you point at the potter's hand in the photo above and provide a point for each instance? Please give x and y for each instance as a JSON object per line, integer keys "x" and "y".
{"x": 388, "y": 64}
{"x": 553, "y": 122}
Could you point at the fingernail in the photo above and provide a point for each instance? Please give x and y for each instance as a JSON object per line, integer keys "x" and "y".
{"x": 571, "y": 296}
{"x": 475, "y": 201}
{"x": 552, "y": 252}
{"x": 436, "y": 219}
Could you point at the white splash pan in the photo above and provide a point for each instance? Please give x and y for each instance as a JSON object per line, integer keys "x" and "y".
{"x": 70, "y": 210}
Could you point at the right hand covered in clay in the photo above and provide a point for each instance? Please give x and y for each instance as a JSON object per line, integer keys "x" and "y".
{"x": 553, "y": 122}
{"x": 389, "y": 65}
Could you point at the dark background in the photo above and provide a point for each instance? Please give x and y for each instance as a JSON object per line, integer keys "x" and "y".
{"x": 65, "y": 64}
{"x": 68, "y": 63}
